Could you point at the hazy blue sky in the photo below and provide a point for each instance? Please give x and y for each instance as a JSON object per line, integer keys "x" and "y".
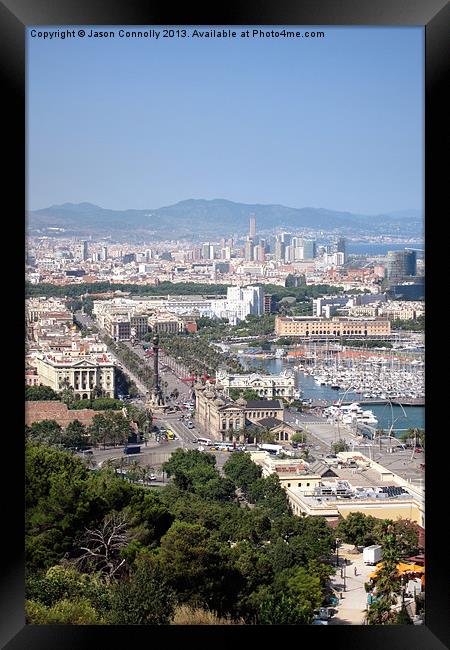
{"x": 335, "y": 123}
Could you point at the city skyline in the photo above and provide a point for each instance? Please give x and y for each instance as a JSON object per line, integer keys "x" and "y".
{"x": 140, "y": 124}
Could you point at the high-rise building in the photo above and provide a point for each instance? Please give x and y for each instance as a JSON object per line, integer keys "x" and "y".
{"x": 341, "y": 247}
{"x": 309, "y": 249}
{"x": 339, "y": 259}
{"x": 260, "y": 253}
{"x": 104, "y": 254}
{"x": 400, "y": 265}
{"x": 297, "y": 252}
{"x": 268, "y": 303}
{"x": 249, "y": 256}
{"x": 279, "y": 250}
{"x": 206, "y": 249}
{"x": 252, "y": 229}
{"x": 286, "y": 238}
{"x": 83, "y": 251}
{"x": 242, "y": 301}
{"x": 128, "y": 257}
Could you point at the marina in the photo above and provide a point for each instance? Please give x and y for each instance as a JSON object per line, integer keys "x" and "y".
{"x": 392, "y": 412}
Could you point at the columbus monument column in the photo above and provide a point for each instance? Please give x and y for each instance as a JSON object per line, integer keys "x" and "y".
{"x": 156, "y": 397}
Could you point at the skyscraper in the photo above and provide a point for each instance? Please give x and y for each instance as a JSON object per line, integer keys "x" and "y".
{"x": 252, "y": 229}
{"x": 225, "y": 253}
{"x": 249, "y": 250}
{"x": 286, "y": 238}
{"x": 83, "y": 251}
{"x": 400, "y": 264}
{"x": 259, "y": 252}
{"x": 206, "y": 247}
{"x": 309, "y": 249}
{"x": 341, "y": 247}
{"x": 279, "y": 250}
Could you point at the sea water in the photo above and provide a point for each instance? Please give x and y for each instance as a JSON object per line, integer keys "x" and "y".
{"x": 397, "y": 417}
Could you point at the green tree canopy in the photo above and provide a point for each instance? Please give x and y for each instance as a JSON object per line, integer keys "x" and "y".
{"x": 299, "y": 436}
{"x": 357, "y": 528}
{"x": 145, "y": 598}
{"x": 242, "y": 470}
{"x": 40, "y": 393}
{"x": 45, "y": 431}
{"x": 338, "y": 446}
{"x": 75, "y": 434}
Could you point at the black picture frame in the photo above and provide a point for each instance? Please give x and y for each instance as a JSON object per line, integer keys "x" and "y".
{"x": 15, "y": 16}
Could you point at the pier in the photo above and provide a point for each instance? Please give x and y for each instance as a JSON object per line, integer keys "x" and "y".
{"x": 394, "y": 402}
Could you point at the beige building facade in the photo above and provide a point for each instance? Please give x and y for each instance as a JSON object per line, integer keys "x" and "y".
{"x": 269, "y": 386}
{"x": 224, "y": 419}
{"x": 86, "y": 375}
{"x": 315, "y": 490}
{"x": 337, "y": 326}
{"x": 406, "y": 508}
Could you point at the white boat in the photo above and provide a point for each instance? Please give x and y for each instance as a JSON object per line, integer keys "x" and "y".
{"x": 367, "y": 417}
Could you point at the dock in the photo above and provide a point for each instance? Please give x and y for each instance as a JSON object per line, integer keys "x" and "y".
{"x": 394, "y": 402}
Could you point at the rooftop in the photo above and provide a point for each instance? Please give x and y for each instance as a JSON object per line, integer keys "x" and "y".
{"x": 264, "y": 404}
{"x": 270, "y": 423}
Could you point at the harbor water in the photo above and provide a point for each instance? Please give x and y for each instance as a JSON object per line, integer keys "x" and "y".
{"x": 401, "y": 418}
{"x": 377, "y": 249}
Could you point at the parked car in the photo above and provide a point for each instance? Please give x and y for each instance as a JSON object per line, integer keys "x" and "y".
{"x": 152, "y": 477}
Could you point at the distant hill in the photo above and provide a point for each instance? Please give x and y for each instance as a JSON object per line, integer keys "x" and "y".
{"x": 210, "y": 218}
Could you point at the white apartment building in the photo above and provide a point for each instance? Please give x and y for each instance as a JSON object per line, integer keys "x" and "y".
{"x": 270, "y": 386}
{"x": 241, "y": 302}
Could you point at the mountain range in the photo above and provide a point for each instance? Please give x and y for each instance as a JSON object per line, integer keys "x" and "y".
{"x": 201, "y": 218}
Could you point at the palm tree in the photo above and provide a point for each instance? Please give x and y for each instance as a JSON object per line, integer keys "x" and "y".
{"x": 388, "y": 580}
{"x": 134, "y": 470}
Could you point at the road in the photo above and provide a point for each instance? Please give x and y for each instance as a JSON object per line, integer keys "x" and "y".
{"x": 87, "y": 321}
{"x": 322, "y": 434}
{"x": 352, "y": 604}
{"x": 167, "y": 374}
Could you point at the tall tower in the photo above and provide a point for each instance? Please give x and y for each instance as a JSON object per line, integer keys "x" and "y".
{"x": 249, "y": 250}
{"x": 400, "y": 264}
{"x": 157, "y": 398}
{"x": 279, "y": 250}
{"x": 252, "y": 229}
{"x": 341, "y": 247}
{"x": 83, "y": 251}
